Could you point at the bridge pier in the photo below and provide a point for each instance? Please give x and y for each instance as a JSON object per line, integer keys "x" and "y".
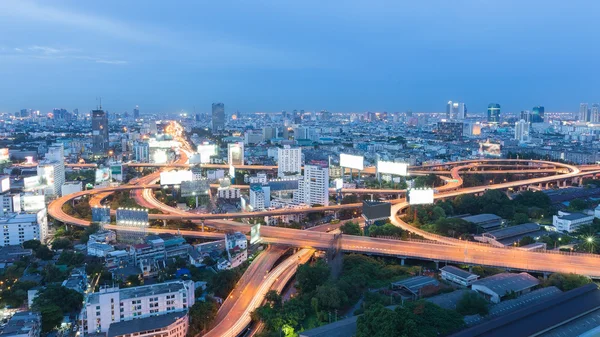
{"x": 402, "y": 261}
{"x": 470, "y": 269}
{"x": 546, "y": 276}
{"x": 437, "y": 265}
{"x": 164, "y": 222}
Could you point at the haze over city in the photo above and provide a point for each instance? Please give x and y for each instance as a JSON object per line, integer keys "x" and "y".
{"x": 271, "y": 56}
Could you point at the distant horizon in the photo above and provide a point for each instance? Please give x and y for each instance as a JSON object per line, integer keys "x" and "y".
{"x": 262, "y": 56}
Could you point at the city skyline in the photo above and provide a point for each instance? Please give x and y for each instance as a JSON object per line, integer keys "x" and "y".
{"x": 363, "y": 57}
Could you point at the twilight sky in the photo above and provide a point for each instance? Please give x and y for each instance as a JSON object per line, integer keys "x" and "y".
{"x": 283, "y": 55}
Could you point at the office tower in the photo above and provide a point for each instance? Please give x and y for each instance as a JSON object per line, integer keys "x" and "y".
{"x": 283, "y": 114}
{"x": 449, "y": 110}
{"x": 197, "y": 117}
{"x": 99, "y": 132}
{"x": 269, "y": 133}
{"x": 493, "y": 113}
{"x": 325, "y": 115}
{"x": 235, "y": 153}
{"x": 314, "y": 187}
{"x": 51, "y": 170}
{"x": 141, "y": 152}
{"x": 298, "y": 117}
{"x": 136, "y": 112}
{"x": 289, "y": 161}
{"x": 526, "y": 115}
{"x": 450, "y": 131}
{"x": 301, "y": 133}
{"x": 522, "y": 130}
{"x": 595, "y": 114}
{"x": 24, "y": 113}
{"x": 112, "y": 306}
{"x": 583, "y": 112}
{"x": 260, "y": 196}
{"x": 218, "y": 117}
{"x": 461, "y": 111}
{"x": 537, "y": 114}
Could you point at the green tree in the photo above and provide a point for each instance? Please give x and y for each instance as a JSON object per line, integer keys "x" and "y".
{"x": 351, "y": 228}
{"x": 566, "y": 282}
{"x": 309, "y": 277}
{"x": 52, "y": 316}
{"x": 471, "y": 303}
{"x": 202, "y": 314}
{"x": 526, "y": 240}
{"x": 385, "y": 230}
{"x": 379, "y": 322}
{"x": 62, "y": 243}
{"x": 32, "y": 244}
{"x": 577, "y": 205}
{"x": 44, "y": 253}
{"x": 350, "y": 199}
{"x": 520, "y": 218}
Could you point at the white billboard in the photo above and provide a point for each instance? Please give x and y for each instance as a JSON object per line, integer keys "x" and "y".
{"x": 33, "y": 202}
{"x": 389, "y": 167}
{"x": 339, "y": 184}
{"x": 206, "y": 151}
{"x": 102, "y": 175}
{"x": 420, "y": 196}
{"x": 4, "y": 184}
{"x": 351, "y": 161}
{"x": 31, "y": 182}
{"x": 175, "y": 177}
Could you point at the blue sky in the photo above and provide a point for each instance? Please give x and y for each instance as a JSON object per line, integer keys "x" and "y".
{"x": 312, "y": 55}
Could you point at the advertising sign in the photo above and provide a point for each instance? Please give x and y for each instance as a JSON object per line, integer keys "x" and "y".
{"x": 33, "y": 203}
{"x": 400, "y": 169}
{"x": 31, "y": 182}
{"x": 376, "y": 210}
{"x": 4, "y": 184}
{"x": 255, "y": 234}
{"x": 352, "y": 162}
{"x": 102, "y": 175}
{"x": 194, "y": 188}
{"x": 175, "y": 177}
{"x": 4, "y": 156}
{"x": 339, "y": 183}
{"x": 420, "y": 196}
{"x": 206, "y": 151}
{"x": 132, "y": 216}
{"x": 101, "y": 214}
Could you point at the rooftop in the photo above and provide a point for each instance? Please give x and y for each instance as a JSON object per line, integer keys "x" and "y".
{"x": 144, "y": 324}
{"x": 457, "y": 271}
{"x": 481, "y": 218}
{"x": 574, "y": 216}
{"x": 511, "y": 231}
{"x": 21, "y": 323}
{"x": 414, "y": 284}
{"x": 141, "y": 291}
{"x": 341, "y": 328}
{"x": 504, "y": 283}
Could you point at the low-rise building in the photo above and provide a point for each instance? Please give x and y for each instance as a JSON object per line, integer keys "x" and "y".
{"x": 457, "y": 275}
{"x": 172, "y": 325}
{"x": 23, "y": 324}
{"x": 104, "y": 236}
{"x": 18, "y": 228}
{"x": 569, "y": 222}
{"x": 99, "y": 249}
{"x": 484, "y": 222}
{"x": 113, "y": 305}
{"x": 495, "y": 287}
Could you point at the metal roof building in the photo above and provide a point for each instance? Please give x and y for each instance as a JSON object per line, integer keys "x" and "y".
{"x": 497, "y": 286}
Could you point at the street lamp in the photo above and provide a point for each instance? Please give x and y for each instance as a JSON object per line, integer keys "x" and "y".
{"x": 590, "y": 241}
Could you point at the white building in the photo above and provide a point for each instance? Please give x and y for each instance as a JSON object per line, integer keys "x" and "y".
{"x": 11, "y": 203}
{"x": 314, "y": 187}
{"x": 289, "y": 161}
{"x": 71, "y": 187}
{"x": 229, "y": 193}
{"x": 141, "y": 152}
{"x": 260, "y": 197}
{"x": 99, "y": 249}
{"x": 18, "y": 228}
{"x": 260, "y": 178}
{"x": 570, "y": 222}
{"x": 114, "y": 305}
{"x": 522, "y": 131}
{"x": 457, "y": 275}
{"x": 52, "y": 175}
{"x": 235, "y": 153}
{"x": 172, "y": 325}
{"x": 236, "y": 245}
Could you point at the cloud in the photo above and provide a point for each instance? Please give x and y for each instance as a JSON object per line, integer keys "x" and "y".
{"x": 47, "y": 52}
{"x": 111, "y": 61}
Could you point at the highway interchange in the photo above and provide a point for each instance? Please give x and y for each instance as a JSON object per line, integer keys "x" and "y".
{"x": 235, "y": 313}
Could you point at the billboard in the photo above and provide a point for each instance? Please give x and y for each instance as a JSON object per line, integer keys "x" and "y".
{"x": 206, "y": 151}
{"x": 102, "y": 175}
{"x": 4, "y": 156}
{"x": 255, "y": 234}
{"x": 235, "y": 153}
{"x": 389, "y": 167}
{"x": 339, "y": 183}
{"x": 420, "y": 196}
{"x": 175, "y": 177}
{"x": 4, "y": 184}
{"x": 116, "y": 169}
{"x": 33, "y": 203}
{"x": 160, "y": 157}
{"x": 376, "y": 210}
{"x": 132, "y": 216}
{"x": 101, "y": 214}
{"x": 194, "y": 188}
{"x": 351, "y": 161}
{"x": 31, "y": 182}
{"x": 283, "y": 185}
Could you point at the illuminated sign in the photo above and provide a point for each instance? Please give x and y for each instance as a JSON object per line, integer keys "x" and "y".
{"x": 339, "y": 183}
{"x": 352, "y": 162}
{"x": 206, "y": 151}
{"x": 160, "y": 157}
{"x": 33, "y": 203}
{"x": 31, "y": 182}
{"x": 255, "y": 234}
{"x": 102, "y": 175}
{"x": 132, "y": 217}
{"x": 400, "y": 169}
{"x": 4, "y": 154}
{"x": 420, "y": 196}
{"x": 175, "y": 177}
{"x": 194, "y": 187}
{"x": 4, "y": 184}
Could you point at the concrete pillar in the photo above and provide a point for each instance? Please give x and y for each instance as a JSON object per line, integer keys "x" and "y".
{"x": 437, "y": 265}
{"x": 545, "y": 276}
{"x": 164, "y": 222}
{"x": 402, "y": 261}
{"x": 470, "y": 269}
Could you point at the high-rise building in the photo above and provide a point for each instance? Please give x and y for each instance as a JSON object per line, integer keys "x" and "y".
{"x": 537, "y": 114}
{"x": 51, "y": 170}
{"x": 522, "y": 130}
{"x": 450, "y": 131}
{"x": 18, "y": 228}
{"x": 314, "y": 187}
{"x": 595, "y": 113}
{"x": 269, "y": 133}
{"x": 456, "y": 110}
{"x": 99, "y": 131}
{"x": 449, "y": 110}
{"x": 218, "y": 117}
{"x": 462, "y": 111}
{"x": 136, "y": 112}
{"x": 583, "y": 112}
{"x": 235, "y": 153}
{"x": 493, "y": 113}
{"x": 526, "y": 115}
{"x": 289, "y": 161}
{"x": 260, "y": 196}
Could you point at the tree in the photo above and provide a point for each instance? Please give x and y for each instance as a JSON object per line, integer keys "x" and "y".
{"x": 71, "y": 258}
{"x": 577, "y": 205}
{"x": 330, "y": 297}
{"x": 309, "y": 277}
{"x": 62, "y": 243}
{"x": 223, "y": 282}
{"x": 351, "y": 228}
{"x": 133, "y": 281}
{"x": 378, "y": 322}
{"x": 385, "y": 230}
{"x": 566, "y": 282}
{"x": 55, "y": 301}
{"x": 32, "y": 244}
{"x": 44, "y": 253}
{"x": 91, "y": 229}
{"x": 52, "y": 316}
{"x": 202, "y": 314}
{"x": 350, "y": 199}
{"x": 526, "y": 240}
{"x": 520, "y": 218}
{"x": 471, "y": 303}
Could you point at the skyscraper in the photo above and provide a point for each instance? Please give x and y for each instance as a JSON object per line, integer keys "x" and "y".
{"x": 136, "y": 112}
{"x": 526, "y": 115}
{"x": 218, "y": 117}
{"x": 235, "y": 153}
{"x": 449, "y": 110}
{"x": 462, "y": 111}
{"x": 493, "y": 113}
{"x": 595, "y": 113}
{"x": 522, "y": 131}
{"x": 314, "y": 187}
{"x": 99, "y": 131}
{"x": 583, "y": 112}
{"x": 537, "y": 114}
